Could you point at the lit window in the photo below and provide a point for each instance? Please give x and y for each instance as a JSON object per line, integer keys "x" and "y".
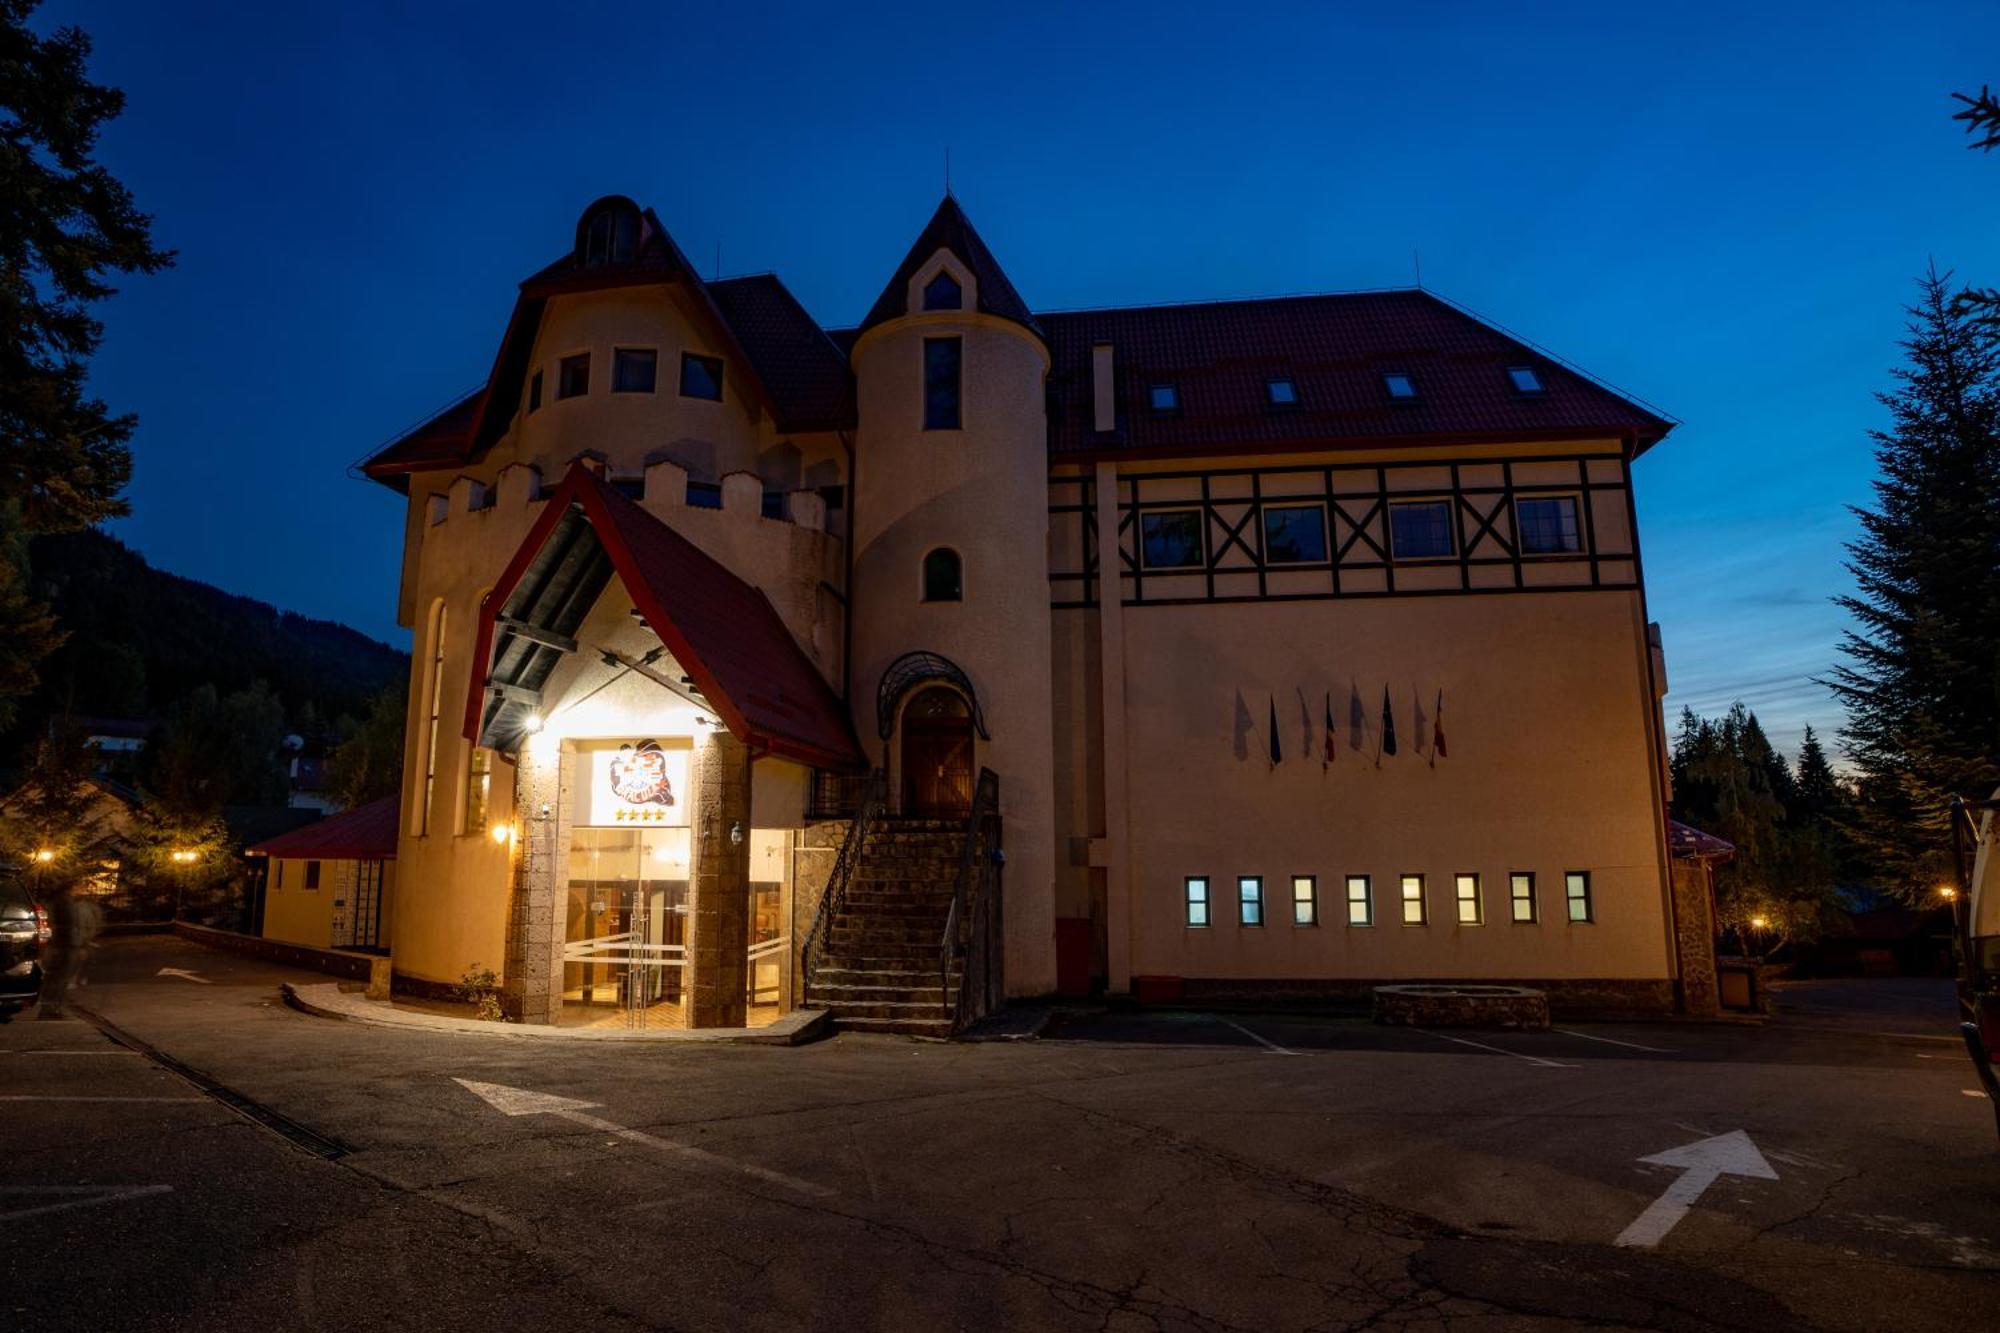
{"x": 944, "y": 293}
{"x": 942, "y": 359}
{"x": 1282, "y": 393}
{"x": 434, "y": 699}
{"x": 1294, "y": 534}
{"x": 1547, "y": 525}
{"x": 1521, "y": 897}
{"x": 1413, "y": 900}
{"x": 942, "y": 582}
{"x": 312, "y": 874}
{"x": 1164, "y": 397}
{"x": 1400, "y": 386}
{"x": 1576, "y": 888}
{"x": 1420, "y": 529}
{"x": 634, "y": 369}
{"x": 1197, "y": 900}
{"x": 478, "y": 788}
{"x": 1171, "y": 540}
{"x": 1525, "y": 379}
{"x": 1250, "y": 899}
{"x": 1305, "y": 900}
{"x": 1470, "y": 913}
{"x": 573, "y": 376}
{"x": 1360, "y": 901}
{"x": 701, "y": 377}
{"x": 534, "y": 391}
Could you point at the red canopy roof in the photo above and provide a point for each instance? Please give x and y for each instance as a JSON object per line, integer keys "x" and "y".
{"x": 722, "y": 631}
{"x": 365, "y": 833}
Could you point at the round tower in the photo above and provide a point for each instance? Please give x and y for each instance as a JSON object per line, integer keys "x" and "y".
{"x": 951, "y": 666}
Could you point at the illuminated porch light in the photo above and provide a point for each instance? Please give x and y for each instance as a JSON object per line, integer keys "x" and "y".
{"x": 503, "y": 833}
{"x": 1947, "y": 892}
{"x": 532, "y": 723}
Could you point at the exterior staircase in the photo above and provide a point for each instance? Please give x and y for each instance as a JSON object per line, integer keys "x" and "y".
{"x": 879, "y": 968}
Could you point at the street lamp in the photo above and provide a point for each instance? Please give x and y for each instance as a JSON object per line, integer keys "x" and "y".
{"x": 45, "y": 855}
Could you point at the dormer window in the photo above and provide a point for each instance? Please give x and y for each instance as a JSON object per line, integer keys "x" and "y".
{"x": 1399, "y": 385}
{"x": 608, "y": 234}
{"x": 1164, "y": 398}
{"x": 1281, "y": 392}
{"x": 1525, "y": 379}
{"x": 944, "y": 293}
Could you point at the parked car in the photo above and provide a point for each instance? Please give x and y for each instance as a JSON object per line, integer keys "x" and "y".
{"x": 24, "y": 936}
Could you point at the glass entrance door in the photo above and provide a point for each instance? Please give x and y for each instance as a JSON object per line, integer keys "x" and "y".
{"x": 625, "y": 936}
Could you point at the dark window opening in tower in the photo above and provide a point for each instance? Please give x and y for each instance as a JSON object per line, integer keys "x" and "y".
{"x": 943, "y": 580}
{"x": 942, "y": 358}
{"x": 944, "y": 293}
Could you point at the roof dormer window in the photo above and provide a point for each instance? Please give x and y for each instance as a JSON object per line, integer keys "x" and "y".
{"x": 608, "y": 233}
{"x": 944, "y": 293}
{"x": 1164, "y": 399}
{"x": 1399, "y": 386}
{"x": 1525, "y": 379}
{"x": 1281, "y": 392}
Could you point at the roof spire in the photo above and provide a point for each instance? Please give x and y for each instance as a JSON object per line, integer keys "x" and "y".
{"x": 947, "y": 171}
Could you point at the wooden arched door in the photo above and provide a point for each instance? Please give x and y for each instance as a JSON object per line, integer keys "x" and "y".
{"x": 937, "y": 755}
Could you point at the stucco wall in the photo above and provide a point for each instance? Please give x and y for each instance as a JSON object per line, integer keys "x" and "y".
{"x": 299, "y": 915}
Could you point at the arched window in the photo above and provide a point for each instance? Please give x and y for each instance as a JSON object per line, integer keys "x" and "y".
{"x": 433, "y": 697}
{"x": 608, "y": 234}
{"x": 943, "y": 580}
{"x": 944, "y": 293}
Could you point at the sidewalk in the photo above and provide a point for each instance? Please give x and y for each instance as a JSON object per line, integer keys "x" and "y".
{"x": 328, "y": 1000}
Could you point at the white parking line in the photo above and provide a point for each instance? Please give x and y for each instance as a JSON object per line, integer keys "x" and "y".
{"x": 113, "y": 1051}
{"x": 1612, "y": 1041}
{"x": 1497, "y": 1050}
{"x": 30, "y": 1097}
{"x": 1270, "y": 1046}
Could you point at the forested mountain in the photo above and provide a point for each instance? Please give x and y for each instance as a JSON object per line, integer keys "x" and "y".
{"x": 142, "y": 640}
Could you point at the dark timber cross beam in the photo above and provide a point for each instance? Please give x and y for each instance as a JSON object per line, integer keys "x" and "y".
{"x": 548, "y": 638}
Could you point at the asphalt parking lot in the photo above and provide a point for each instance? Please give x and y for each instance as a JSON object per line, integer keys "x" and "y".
{"x": 252, "y": 1167}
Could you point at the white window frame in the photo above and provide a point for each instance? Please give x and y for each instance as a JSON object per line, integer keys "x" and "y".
{"x": 1515, "y": 898}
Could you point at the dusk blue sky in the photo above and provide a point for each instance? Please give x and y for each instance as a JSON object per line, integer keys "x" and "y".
{"x": 1718, "y": 210}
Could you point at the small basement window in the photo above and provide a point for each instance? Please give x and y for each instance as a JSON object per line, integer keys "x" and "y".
{"x": 634, "y": 369}
{"x": 1526, "y": 379}
{"x": 701, "y": 377}
{"x": 1400, "y": 386}
{"x": 944, "y": 293}
{"x": 1281, "y": 392}
{"x": 1164, "y": 398}
{"x": 573, "y": 376}
{"x": 1171, "y": 540}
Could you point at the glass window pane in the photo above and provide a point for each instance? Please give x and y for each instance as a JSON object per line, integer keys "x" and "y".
{"x": 1165, "y": 397}
{"x": 1470, "y": 911}
{"x": 1413, "y": 900}
{"x": 1171, "y": 540}
{"x": 941, "y": 576}
{"x": 1521, "y": 896}
{"x": 1250, "y": 894}
{"x": 1295, "y": 534}
{"x": 1305, "y": 900}
{"x": 573, "y": 376}
{"x": 634, "y": 369}
{"x": 1283, "y": 393}
{"x": 535, "y": 391}
{"x": 1525, "y": 379}
{"x": 1576, "y": 889}
{"x": 941, "y": 383}
{"x": 701, "y": 377}
{"x": 1420, "y": 529}
{"x": 1360, "y": 902}
{"x": 1547, "y": 524}
{"x": 1197, "y": 900}
{"x": 944, "y": 293}
{"x": 1399, "y": 385}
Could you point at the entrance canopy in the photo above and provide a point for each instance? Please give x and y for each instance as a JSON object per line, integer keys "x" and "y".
{"x": 739, "y": 658}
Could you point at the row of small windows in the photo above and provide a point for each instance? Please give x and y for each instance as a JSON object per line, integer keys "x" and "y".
{"x": 312, "y": 876}
{"x": 1164, "y": 397}
{"x": 1418, "y": 530}
{"x": 633, "y": 370}
{"x": 1413, "y": 904}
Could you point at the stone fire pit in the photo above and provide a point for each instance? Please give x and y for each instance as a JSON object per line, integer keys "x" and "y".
{"x": 1459, "y": 1005}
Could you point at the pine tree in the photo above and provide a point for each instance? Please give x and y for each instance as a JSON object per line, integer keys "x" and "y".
{"x": 1922, "y": 681}
{"x": 66, "y": 226}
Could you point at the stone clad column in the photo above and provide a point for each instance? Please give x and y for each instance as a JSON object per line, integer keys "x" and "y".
{"x": 532, "y": 974}
{"x": 719, "y": 900}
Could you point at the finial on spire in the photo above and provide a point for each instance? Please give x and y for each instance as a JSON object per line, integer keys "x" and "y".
{"x": 947, "y": 171}
{"x": 1417, "y": 263}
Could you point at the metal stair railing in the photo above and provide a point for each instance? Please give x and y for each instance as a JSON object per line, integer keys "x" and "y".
{"x": 970, "y": 923}
{"x": 874, "y": 796}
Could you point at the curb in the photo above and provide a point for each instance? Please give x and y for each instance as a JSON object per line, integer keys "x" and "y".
{"x": 326, "y": 1000}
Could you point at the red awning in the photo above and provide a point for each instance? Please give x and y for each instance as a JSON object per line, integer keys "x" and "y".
{"x": 724, "y": 632}
{"x": 365, "y": 833}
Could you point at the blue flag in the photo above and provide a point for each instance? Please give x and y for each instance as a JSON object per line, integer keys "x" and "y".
{"x": 1276, "y": 757}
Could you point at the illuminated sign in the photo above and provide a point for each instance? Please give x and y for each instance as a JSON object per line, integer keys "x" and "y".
{"x": 638, "y": 782}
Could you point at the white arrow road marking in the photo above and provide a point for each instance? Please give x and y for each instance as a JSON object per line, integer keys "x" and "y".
{"x": 79, "y": 1196}
{"x": 183, "y": 974}
{"x": 521, "y": 1101}
{"x": 1701, "y": 1163}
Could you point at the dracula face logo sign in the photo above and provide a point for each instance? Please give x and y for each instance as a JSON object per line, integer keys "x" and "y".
{"x": 639, "y": 775}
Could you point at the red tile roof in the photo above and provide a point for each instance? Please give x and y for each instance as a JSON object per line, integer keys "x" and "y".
{"x": 722, "y": 631}
{"x": 950, "y": 229}
{"x": 1690, "y": 844}
{"x": 1221, "y": 356}
{"x": 806, "y": 373}
{"x": 365, "y": 833}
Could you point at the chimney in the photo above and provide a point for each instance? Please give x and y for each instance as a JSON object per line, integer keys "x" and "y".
{"x": 1104, "y": 400}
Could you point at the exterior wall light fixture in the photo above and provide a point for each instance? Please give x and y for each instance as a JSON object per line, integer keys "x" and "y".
{"x": 532, "y": 723}
{"x": 736, "y": 834}
{"x": 503, "y": 833}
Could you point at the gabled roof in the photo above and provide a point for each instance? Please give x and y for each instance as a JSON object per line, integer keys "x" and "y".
{"x": 811, "y": 387}
{"x": 950, "y": 229}
{"x": 365, "y": 833}
{"x": 1221, "y": 356}
{"x": 723, "y": 632}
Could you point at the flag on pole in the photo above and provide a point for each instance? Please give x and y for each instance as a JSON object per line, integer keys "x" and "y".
{"x": 1437, "y": 732}
{"x": 1275, "y": 755}
{"x": 1388, "y": 724}
{"x": 1326, "y": 760}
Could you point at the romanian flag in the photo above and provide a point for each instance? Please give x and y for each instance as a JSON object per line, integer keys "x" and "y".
{"x": 1388, "y": 724}
{"x": 1276, "y": 757}
{"x": 1332, "y": 743}
{"x": 1437, "y": 731}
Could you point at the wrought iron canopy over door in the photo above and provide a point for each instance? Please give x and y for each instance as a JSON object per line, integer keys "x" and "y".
{"x": 937, "y": 755}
